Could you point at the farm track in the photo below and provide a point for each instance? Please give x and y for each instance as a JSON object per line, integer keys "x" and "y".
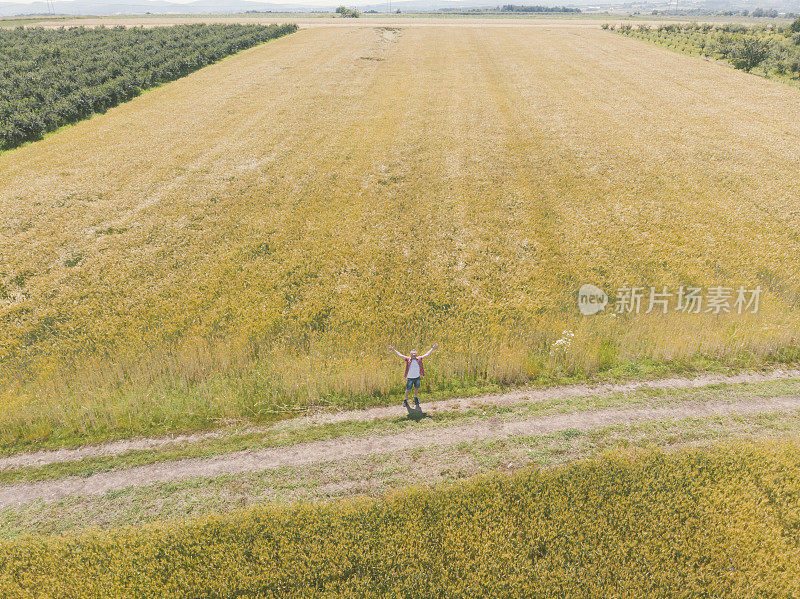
{"x": 354, "y": 448}
{"x": 42, "y": 458}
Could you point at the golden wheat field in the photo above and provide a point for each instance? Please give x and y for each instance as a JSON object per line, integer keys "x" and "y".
{"x": 714, "y": 523}
{"x": 249, "y": 239}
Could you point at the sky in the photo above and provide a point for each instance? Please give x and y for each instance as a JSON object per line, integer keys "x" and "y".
{"x": 103, "y": 2}
{"x": 116, "y": 2}
{"x": 172, "y": 1}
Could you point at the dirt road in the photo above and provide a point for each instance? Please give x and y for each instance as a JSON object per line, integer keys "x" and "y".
{"x": 346, "y": 448}
{"x": 41, "y": 458}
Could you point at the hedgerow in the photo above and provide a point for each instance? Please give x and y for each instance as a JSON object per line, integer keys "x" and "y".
{"x": 774, "y": 49}
{"x": 54, "y": 77}
{"x": 719, "y": 522}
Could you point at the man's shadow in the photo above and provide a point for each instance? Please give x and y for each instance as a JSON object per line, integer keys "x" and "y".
{"x": 415, "y": 414}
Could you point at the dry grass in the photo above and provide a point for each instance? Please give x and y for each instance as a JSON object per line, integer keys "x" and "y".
{"x": 251, "y": 237}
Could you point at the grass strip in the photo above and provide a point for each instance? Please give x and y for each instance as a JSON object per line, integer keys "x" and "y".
{"x": 283, "y": 437}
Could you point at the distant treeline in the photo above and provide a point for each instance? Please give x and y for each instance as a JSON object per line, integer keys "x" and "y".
{"x": 526, "y": 8}
{"x": 757, "y": 12}
{"x": 508, "y": 8}
{"x": 772, "y": 49}
{"x": 54, "y": 77}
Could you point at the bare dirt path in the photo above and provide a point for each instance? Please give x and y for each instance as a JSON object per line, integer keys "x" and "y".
{"x": 350, "y": 448}
{"x": 42, "y": 458}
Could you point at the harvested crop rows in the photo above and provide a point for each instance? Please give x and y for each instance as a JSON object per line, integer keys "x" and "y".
{"x": 244, "y": 242}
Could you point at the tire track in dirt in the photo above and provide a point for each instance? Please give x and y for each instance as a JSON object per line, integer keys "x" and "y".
{"x": 42, "y": 458}
{"x": 343, "y": 449}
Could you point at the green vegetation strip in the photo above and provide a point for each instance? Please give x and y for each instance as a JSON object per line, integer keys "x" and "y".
{"x": 54, "y": 77}
{"x": 772, "y": 51}
{"x": 287, "y": 436}
{"x": 71, "y": 420}
{"x": 711, "y": 522}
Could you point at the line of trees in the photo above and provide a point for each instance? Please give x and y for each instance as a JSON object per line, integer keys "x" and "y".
{"x": 775, "y": 49}
{"x": 55, "y": 77}
{"x": 348, "y": 13}
{"x": 526, "y": 8}
{"x": 769, "y": 13}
